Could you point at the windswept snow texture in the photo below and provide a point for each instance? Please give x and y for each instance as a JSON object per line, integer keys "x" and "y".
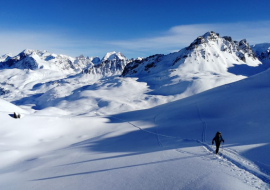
{"x": 145, "y": 123}
{"x": 165, "y": 147}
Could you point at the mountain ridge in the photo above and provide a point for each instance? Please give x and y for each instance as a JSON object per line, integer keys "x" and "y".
{"x": 114, "y": 63}
{"x": 208, "y": 62}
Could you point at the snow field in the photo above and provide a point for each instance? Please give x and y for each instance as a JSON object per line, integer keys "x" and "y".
{"x": 81, "y": 131}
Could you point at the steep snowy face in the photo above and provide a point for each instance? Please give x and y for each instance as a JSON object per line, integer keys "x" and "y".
{"x": 262, "y": 51}
{"x": 113, "y": 63}
{"x": 209, "y": 61}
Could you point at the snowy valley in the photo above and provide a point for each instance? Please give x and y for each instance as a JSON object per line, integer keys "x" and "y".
{"x": 144, "y": 123}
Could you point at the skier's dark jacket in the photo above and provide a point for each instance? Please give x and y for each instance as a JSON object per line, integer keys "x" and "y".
{"x": 218, "y": 139}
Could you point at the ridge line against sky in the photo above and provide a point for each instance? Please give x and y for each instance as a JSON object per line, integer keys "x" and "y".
{"x": 135, "y": 28}
{"x": 169, "y": 41}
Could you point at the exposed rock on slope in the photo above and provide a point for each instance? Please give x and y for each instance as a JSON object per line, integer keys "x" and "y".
{"x": 262, "y": 51}
{"x": 209, "y": 61}
{"x": 113, "y": 63}
{"x": 35, "y": 59}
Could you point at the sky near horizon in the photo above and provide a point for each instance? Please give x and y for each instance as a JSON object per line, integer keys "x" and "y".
{"x": 137, "y": 28}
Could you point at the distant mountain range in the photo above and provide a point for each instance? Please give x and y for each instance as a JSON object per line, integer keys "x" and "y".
{"x": 112, "y": 63}
{"x": 206, "y": 53}
{"x": 39, "y": 77}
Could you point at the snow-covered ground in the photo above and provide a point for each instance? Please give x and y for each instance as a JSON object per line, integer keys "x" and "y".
{"x": 84, "y": 126}
{"x": 164, "y": 147}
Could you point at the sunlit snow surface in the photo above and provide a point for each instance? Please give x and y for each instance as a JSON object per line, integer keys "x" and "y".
{"x": 86, "y": 127}
{"x": 164, "y": 147}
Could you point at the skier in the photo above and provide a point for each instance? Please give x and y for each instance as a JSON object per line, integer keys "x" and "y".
{"x": 15, "y": 115}
{"x": 218, "y": 139}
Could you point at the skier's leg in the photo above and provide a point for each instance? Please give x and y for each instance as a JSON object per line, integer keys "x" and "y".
{"x": 217, "y": 148}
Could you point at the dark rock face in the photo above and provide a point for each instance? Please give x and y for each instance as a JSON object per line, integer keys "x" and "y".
{"x": 195, "y": 43}
{"x": 263, "y": 53}
{"x": 29, "y": 63}
{"x": 198, "y": 48}
{"x": 3, "y": 91}
{"x": 150, "y": 65}
{"x": 107, "y": 67}
{"x": 228, "y": 38}
{"x": 130, "y": 68}
{"x": 212, "y": 36}
{"x": 241, "y": 56}
{"x": 21, "y": 61}
{"x": 145, "y": 64}
{"x": 208, "y": 36}
{"x": 243, "y": 45}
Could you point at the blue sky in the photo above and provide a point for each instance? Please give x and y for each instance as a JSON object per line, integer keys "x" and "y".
{"x": 136, "y": 28}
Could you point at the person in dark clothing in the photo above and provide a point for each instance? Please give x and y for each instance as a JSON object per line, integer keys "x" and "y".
{"x": 15, "y": 115}
{"x": 218, "y": 139}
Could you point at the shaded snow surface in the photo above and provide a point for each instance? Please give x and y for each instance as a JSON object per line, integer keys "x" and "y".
{"x": 164, "y": 147}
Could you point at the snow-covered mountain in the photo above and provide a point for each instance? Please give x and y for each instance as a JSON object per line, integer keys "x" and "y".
{"x": 61, "y": 81}
{"x": 114, "y": 56}
{"x": 85, "y": 126}
{"x": 113, "y": 63}
{"x": 35, "y": 59}
{"x": 207, "y": 62}
{"x": 34, "y": 72}
{"x": 165, "y": 147}
{"x": 5, "y": 57}
{"x": 262, "y": 51}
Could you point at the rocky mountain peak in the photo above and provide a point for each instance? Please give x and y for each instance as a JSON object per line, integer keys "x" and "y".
{"x": 114, "y": 56}
{"x": 207, "y": 53}
{"x": 113, "y": 63}
{"x": 228, "y": 38}
{"x": 213, "y": 36}
{"x": 207, "y": 37}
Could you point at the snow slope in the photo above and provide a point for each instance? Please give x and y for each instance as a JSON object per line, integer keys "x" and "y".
{"x": 87, "y": 128}
{"x": 8, "y": 107}
{"x": 208, "y": 62}
{"x": 61, "y": 81}
{"x": 165, "y": 147}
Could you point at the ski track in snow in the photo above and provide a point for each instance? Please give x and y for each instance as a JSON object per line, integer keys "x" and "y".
{"x": 233, "y": 159}
{"x": 204, "y": 124}
{"x": 241, "y": 168}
